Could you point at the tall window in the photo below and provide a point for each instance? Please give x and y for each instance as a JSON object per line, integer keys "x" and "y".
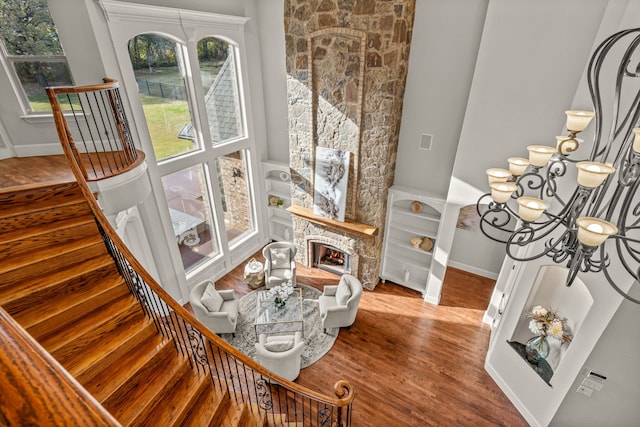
{"x": 31, "y": 51}
{"x": 201, "y": 226}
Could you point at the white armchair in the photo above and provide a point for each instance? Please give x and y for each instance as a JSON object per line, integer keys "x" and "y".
{"x": 281, "y": 354}
{"x": 339, "y": 304}
{"x": 279, "y": 265}
{"x": 217, "y": 310}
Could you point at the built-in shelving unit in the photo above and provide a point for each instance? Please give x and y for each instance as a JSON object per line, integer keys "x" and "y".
{"x": 403, "y": 262}
{"x": 278, "y": 188}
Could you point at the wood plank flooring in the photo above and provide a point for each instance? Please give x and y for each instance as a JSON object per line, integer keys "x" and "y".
{"x": 411, "y": 363}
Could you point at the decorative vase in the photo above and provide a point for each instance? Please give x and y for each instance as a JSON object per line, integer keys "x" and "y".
{"x": 537, "y": 349}
{"x": 416, "y": 207}
{"x": 279, "y": 302}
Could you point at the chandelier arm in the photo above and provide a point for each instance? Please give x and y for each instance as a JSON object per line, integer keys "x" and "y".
{"x": 630, "y": 169}
{"x": 495, "y": 223}
{"x": 526, "y": 235}
{"x": 593, "y": 73}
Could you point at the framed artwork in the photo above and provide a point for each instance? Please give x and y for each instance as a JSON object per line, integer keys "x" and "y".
{"x": 330, "y": 183}
{"x": 469, "y": 218}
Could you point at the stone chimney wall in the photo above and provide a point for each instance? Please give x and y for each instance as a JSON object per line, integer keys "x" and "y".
{"x": 347, "y": 63}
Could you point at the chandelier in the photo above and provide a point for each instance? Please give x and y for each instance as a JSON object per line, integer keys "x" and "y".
{"x": 592, "y": 226}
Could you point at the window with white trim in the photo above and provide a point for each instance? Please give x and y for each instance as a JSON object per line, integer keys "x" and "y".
{"x": 31, "y": 52}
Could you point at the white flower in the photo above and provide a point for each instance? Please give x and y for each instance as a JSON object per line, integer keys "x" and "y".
{"x": 536, "y": 327}
{"x": 556, "y": 329}
{"x": 545, "y": 322}
{"x": 539, "y": 310}
{"x": 281, "y": 291}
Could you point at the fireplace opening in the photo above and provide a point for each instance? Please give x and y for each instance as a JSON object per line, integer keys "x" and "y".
{"x": 331, "y": 259}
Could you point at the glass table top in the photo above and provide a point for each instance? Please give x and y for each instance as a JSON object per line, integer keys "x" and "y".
{"x": 268, "y": 313}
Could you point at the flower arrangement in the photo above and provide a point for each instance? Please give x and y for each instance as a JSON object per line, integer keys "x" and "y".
{"x": 545, "y": 322}
{"x": 281, "y": 292}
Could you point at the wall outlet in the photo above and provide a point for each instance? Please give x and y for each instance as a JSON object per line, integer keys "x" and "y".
{"x": 584, "y": 390}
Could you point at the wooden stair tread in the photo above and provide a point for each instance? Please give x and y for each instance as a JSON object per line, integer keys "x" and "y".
{"x": 140, "y": 392}
{"x": 70, "y": 307}
{"x": 45, "y": 237}
{"x": 173, "y": 407}
{"x": 40, "y": 216}
{"x": 28, "y": 197}
{"x": 113, "y": 372}
{"x": 89, "y": 346}
{"x": 76, "y": 249}
{"x": 82, "y": 324}
{"x": 208, "y": 410}
{"x": 19, "y": 284}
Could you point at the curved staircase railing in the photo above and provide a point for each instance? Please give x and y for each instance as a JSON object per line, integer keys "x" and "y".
{"x": 100, "y": 140}
{"x": 230, "y": 371}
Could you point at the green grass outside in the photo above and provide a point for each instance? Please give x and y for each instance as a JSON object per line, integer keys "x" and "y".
{"x": 165, "y": 118}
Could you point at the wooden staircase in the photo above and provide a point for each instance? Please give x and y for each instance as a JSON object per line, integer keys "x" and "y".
{"x": 60, "y": 284}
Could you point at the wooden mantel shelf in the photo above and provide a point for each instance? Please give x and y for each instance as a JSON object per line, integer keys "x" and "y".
{"x": 357, "y": 228}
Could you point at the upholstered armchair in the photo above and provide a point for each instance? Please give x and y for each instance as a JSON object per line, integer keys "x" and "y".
{"x": 279, "y": 265}
{"x": 281, "y": 354}
{"x": 339, "y": 304}
{"x": 217, "y": 310}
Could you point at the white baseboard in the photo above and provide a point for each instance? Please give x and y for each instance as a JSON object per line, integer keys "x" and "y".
{"x": 47, "y": 149}
{"x": 487, "y": 319}
{"x": 472, "y": 269}
{"x": 432, "y": 300}
{"x": 508, "y": 391}
{"x": 6, "y": 153}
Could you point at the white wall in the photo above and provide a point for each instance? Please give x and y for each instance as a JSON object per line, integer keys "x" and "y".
{"x": 270, "y": 15}
{"x": 444, "y": 45}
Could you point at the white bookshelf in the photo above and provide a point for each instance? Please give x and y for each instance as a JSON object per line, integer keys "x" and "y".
{"x": 278, "y": 185}
{"x": 402, "y": 263}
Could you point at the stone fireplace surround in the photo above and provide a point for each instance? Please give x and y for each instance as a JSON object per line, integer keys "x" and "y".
{"x": 346, "y": 65}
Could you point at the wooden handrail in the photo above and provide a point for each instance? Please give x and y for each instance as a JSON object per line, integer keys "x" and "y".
{"x": 36, "y": 389}
{"x": 344, "y": 394}
{"x": 101, "y": 141}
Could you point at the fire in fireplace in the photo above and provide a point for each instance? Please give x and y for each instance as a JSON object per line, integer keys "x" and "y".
{"x": 331, "y": 259}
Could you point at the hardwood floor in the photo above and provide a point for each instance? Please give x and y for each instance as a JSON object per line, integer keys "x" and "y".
{"x": 411, "y": 363}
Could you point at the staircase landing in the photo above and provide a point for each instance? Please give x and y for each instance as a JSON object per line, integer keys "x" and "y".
{"x": 35, "y": 170}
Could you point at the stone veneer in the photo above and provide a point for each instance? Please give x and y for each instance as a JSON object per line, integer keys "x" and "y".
{"x": 347, "y": 63}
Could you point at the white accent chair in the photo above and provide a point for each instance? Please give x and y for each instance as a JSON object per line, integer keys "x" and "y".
{"x": 339, "y": 304}
{"x": 280, "y": 264}
{"x": 217, "y": 310}
{"x": 281, "y": 354}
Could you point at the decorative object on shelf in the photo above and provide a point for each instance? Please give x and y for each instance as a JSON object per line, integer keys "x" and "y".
{"x": 416, "y": 241}
{"x": 284, "y": 176}
{"x": 537, "y": 349}
{"x": 416, "y": 207}
{"x": 281, "y": 294}
{"x": 426, "y": 244}
{"x": 276, "y": 202}
{"x": 601, "y": 206}
{"x": 545, "y": 323}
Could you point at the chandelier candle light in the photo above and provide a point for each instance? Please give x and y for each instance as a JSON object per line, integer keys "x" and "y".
{"x": 604, "y": 204}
